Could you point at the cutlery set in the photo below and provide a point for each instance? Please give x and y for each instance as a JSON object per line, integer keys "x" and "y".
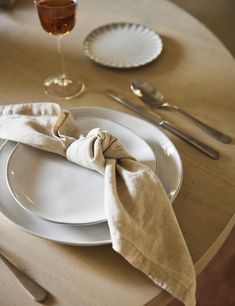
{"x": 153, "y": 99}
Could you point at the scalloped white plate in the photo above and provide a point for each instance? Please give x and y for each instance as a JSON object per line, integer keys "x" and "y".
{"x": 123, "y": 45}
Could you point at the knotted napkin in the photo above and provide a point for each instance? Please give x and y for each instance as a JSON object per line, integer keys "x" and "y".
{"x": 142, "y": 223}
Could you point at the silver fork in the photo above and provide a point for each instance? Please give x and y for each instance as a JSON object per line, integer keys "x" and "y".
{"x": 152, "y": 97}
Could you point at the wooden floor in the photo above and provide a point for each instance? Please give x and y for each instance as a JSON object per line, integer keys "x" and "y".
{"x": 216, "y": 284}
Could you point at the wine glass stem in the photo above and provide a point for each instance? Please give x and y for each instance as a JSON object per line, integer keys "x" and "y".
{"x": 61, "y": 56}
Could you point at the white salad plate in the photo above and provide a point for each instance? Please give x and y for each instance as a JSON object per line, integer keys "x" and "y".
{"x": 169, "y": 169}
{"x": 57, "y": 190}
{"x": 122, "y": 45}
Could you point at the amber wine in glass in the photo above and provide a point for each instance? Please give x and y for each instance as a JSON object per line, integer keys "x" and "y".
{"x": 58, "y": 17}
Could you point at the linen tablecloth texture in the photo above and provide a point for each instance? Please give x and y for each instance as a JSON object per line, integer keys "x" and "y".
{"x": 142, "y": 223}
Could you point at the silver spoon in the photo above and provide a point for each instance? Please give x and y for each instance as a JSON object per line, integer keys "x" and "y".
{"x": 35, "y": 291}
{"x": 151, "y": 96}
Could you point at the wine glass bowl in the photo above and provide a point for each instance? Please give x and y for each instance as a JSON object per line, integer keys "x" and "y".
{"x": 58, "y": 18}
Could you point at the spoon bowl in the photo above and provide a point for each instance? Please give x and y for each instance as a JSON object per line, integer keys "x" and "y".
{"x": 142, "y": 88}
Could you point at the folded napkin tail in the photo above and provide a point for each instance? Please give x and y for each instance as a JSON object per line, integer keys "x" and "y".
{"x": 144, "y": 229}
{"x": 185, "y": 294}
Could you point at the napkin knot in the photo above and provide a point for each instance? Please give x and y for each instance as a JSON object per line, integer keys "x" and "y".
{"x": 92, "y": 150}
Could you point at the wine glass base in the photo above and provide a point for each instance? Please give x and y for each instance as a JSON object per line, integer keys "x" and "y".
{"x": 63, "y": 88}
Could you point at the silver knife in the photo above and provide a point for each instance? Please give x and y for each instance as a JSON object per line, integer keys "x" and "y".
{"x": 156, "y": 119}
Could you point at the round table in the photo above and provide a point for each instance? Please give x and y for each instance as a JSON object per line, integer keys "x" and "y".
{"x": 194, "y": 71}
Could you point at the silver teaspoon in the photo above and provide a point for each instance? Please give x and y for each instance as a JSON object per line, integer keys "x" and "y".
{"x": 152, "y": 97}
{"x": 35, "y": 291}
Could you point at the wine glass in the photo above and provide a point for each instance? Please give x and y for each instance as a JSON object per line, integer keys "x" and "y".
{"x": 58, "y": 17}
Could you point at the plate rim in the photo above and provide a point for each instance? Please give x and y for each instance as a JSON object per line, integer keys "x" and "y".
{"x": 40, "y": 233}
{"x": 96, "y": 31}
{"x": 43, "y": 235}
{"x": 41, "y": 215}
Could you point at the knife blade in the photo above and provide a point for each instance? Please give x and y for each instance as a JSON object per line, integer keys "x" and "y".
{"x": 154, "y": 118}
{"x": 140, "y": 110}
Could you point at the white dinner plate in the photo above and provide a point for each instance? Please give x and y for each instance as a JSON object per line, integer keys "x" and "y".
{"x": 89, "y": 235}
{"x": 170, "y": 173}
{"x": 57, "y": 190}
{"x": 123, "y": 45}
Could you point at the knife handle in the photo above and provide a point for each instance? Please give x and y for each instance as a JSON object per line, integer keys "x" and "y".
{"x": 36, "y": 292}
{"x": 192, "y": 141}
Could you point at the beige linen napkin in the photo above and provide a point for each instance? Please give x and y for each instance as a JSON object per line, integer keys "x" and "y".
{"x": 142, "y": 223}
